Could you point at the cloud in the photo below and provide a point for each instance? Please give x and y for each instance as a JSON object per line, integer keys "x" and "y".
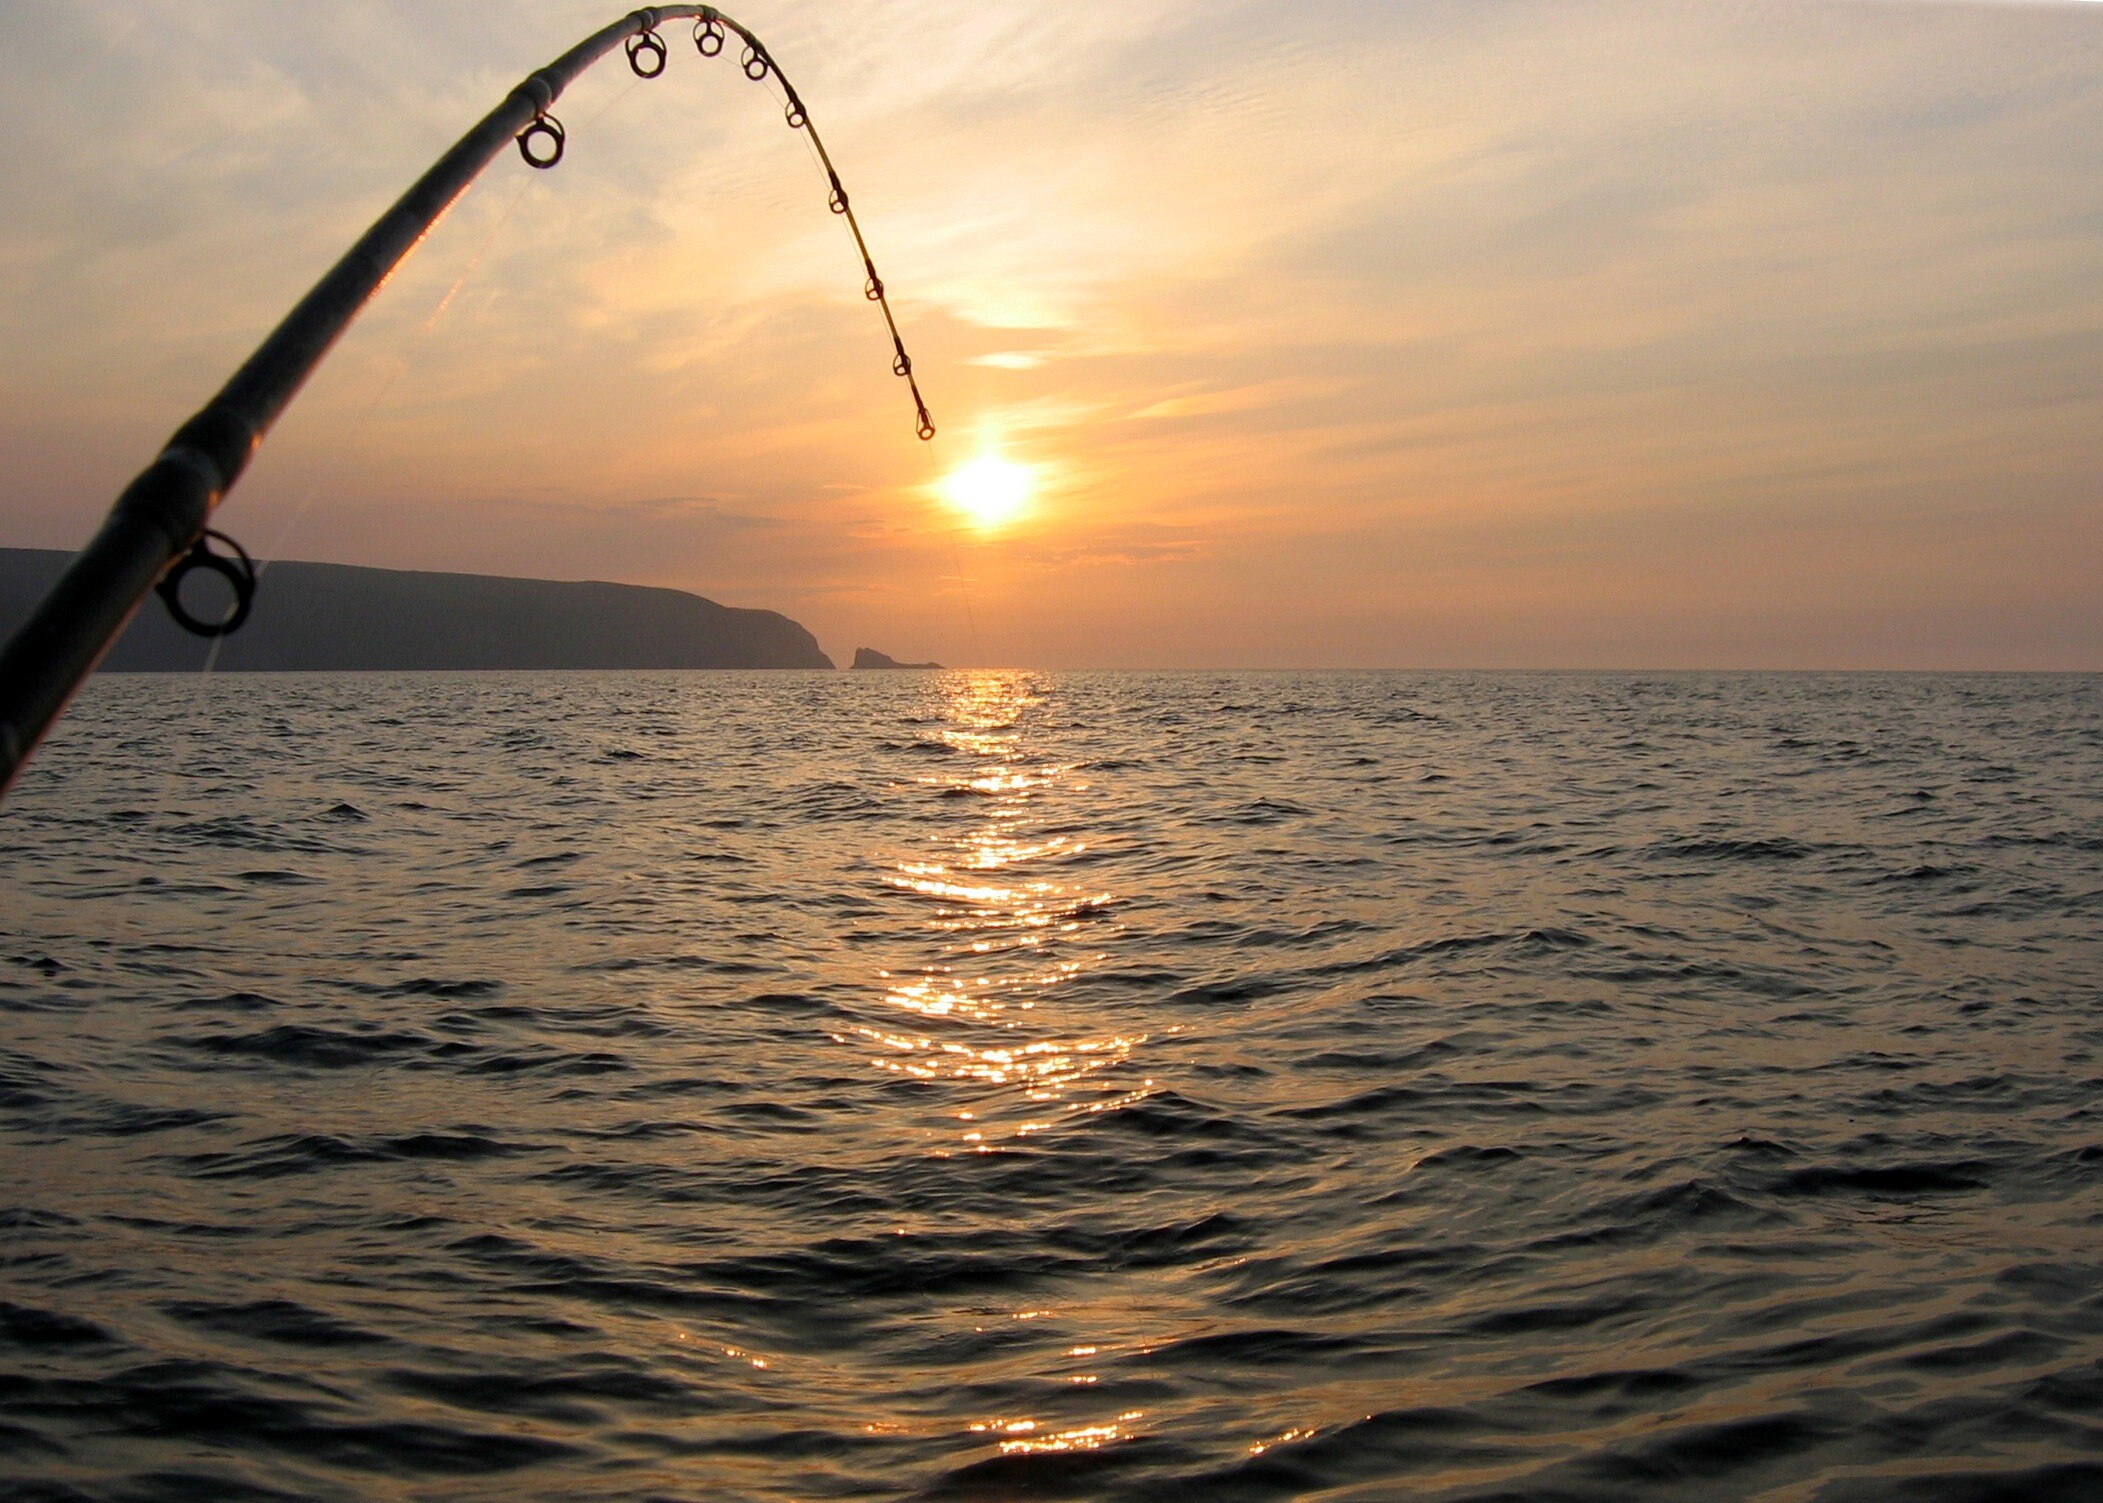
{"x": 1315, "y": 321}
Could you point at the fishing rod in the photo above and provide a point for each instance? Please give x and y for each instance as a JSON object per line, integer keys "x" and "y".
{"x": 158, "y": 532}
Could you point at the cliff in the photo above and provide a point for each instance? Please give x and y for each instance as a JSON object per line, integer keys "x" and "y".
{"x": 869, "y": 657}
{"x": 333, "y": 616}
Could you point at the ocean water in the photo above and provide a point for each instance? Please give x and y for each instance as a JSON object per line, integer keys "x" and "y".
{"x": 982, "y": 1086}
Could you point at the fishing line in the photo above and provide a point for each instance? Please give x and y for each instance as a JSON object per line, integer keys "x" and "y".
{"x": 355, "y": 436}
{"x": 353, "y": 440}
{"x": 956, "y": 552}
{"x": 186, "y": 722}
{"x": 978, "y": 651}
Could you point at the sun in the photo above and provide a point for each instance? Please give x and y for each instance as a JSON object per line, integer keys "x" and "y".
{"x": 988, "y": 491}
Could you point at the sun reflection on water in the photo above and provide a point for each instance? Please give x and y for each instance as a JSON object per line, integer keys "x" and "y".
{"x": 990, "y": 1002}
{"x": 1025, "y": 1436}
{"x": 1285, "y": 1438}
{"x": 1005, "y": 936}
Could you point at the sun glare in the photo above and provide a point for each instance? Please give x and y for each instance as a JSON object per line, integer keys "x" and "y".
{"x": 988, "y": 491}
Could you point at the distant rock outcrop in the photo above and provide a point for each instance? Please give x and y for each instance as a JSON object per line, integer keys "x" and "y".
{"x": 869, "y": 657}
{"x": 315, "y": 617}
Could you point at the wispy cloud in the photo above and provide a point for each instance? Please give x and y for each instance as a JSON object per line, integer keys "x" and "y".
{"x": 1445, "y": 331}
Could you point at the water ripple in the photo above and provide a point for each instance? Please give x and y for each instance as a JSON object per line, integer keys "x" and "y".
{"x": 1008, "y": 1085}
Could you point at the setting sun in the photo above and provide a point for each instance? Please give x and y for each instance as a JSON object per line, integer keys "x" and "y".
{"x": 989, "y": 490}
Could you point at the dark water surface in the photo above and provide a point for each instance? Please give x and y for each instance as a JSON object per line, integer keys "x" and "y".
{"x": 1040, "y": 1086}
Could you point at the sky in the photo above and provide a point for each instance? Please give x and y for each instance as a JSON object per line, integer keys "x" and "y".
{"x": 1428, "y": 333}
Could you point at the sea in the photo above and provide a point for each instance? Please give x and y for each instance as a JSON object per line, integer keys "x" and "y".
{"x": 1039, "y": 1086}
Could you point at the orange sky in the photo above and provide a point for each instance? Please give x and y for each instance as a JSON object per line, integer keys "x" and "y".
{"x": 1402, "y": 334}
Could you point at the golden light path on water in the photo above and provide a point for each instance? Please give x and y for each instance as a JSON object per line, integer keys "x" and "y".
{"x": 983, "y": 1014}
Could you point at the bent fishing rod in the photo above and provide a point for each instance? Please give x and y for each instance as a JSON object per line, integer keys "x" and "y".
{"x": 159, "y": 532}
